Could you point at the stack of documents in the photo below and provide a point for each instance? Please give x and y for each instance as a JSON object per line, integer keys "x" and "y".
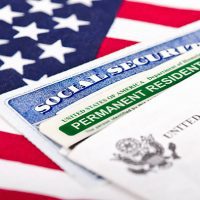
{"x": 122, "y": 126}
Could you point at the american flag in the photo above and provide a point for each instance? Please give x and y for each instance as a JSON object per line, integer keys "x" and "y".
{"x": 40, "y": 38}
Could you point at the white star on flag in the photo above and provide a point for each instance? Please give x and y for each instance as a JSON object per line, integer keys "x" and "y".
{"x": 30, "y": 82}
{"x": 31, "y": 31}
{"x": 72, "y": 22}
{"x": 87, "y": 3}
{"x": 15, "y": 62}
{"x": 55, "y": 50}
{"x": 2, "y": 42}
{"x": 45, "y": 6}
{"x": 7, "y": 15}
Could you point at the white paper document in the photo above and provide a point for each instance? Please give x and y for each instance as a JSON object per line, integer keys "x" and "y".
{"x": 154, "y": 151}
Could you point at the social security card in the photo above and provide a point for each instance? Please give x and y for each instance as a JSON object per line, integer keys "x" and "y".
{"x": 45, "y": 101}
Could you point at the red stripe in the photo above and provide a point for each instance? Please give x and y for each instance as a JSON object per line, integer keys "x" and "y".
{"x": 17, "y": 148}
{"x": 110, "y": 45}
{"x": 157, "y": 14}
{"x": 14, "y": 195}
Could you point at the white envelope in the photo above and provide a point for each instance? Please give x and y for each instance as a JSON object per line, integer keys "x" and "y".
{"x": 154, "y": 151}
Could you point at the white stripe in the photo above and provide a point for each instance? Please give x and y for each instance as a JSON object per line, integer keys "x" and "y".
{"x": 39, "y": 180}
{"x": 138, "y": 31}
{"x": 5, "y": 127}
{"x": 179, "y": 4}
{"x": 28, "y": 178}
